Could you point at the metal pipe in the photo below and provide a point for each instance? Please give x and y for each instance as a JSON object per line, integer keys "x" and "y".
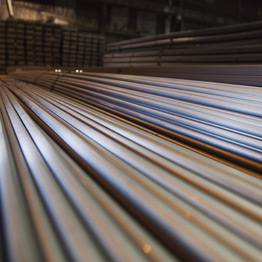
{"x": 220, "y": 119}
{"x": 128, "y": 192}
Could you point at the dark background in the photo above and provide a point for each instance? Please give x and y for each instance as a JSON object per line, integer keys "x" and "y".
{"x": 123, "y": 19}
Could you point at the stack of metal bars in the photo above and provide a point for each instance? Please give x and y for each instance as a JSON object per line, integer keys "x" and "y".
{"x": 231, "y": 74}
{"x": 235, "y": 44}
{"x": 218, "y": 118}
{"x": 81, "y": 183}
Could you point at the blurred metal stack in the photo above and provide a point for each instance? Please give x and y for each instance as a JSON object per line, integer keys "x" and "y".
{"x": 250, "y": 74}
{"x": 81, "y": 49}
{"x": 37, "y": 44}
{"x": 2, "y": 48}
{"x": 235, "y": 44}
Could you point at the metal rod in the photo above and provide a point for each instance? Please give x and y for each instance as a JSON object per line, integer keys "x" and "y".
{"x": 97, "y": 186}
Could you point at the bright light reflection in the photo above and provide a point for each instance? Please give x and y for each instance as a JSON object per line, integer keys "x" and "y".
{"x": 147, "y": 248}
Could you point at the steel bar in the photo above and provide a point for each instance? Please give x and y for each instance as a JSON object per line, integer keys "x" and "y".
{"x": 200, "y": 32}
{"x": 56, "y": 173}
{"x": 220, "y": 119}
{"x": 231, "y": 74}
{"x": 128, "y": 193}
{"x": 231, "y": 45}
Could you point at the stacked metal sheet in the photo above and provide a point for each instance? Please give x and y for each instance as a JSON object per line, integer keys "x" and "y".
{"x": 81, "y": 182}
{"x": 51, "y": 40}
{"x": 34, "y": 43}
{"x": 11, "y": 47}
{"x": 232, "y": 44}
{"x": 69, "y": 41}
{"x": 81, "y": 49}
{"x": 2, "y": 48}
{"x": 29, "y": 44}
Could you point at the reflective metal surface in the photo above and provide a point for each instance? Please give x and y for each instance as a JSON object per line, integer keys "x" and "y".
{"x": 123, "y": 168}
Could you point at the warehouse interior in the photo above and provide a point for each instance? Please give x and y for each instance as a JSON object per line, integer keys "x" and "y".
{"x": 130, "y": 131}
{"x": 119, "y": 20}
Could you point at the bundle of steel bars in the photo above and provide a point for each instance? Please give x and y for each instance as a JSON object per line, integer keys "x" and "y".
{"x": 104, "y": 167}
{"x": 218, "y": 118}
{"x": 235, "y": 44}
{"x": 232, "y": 74}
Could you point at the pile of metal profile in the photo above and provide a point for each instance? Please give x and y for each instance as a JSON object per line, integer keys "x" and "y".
{"x": 235, "y": 44}
{"x": 38, "y": 44}
{"x": 87, "y": 176}
{"x": 224, "y": 120}
{"x": 250, "y": 74}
